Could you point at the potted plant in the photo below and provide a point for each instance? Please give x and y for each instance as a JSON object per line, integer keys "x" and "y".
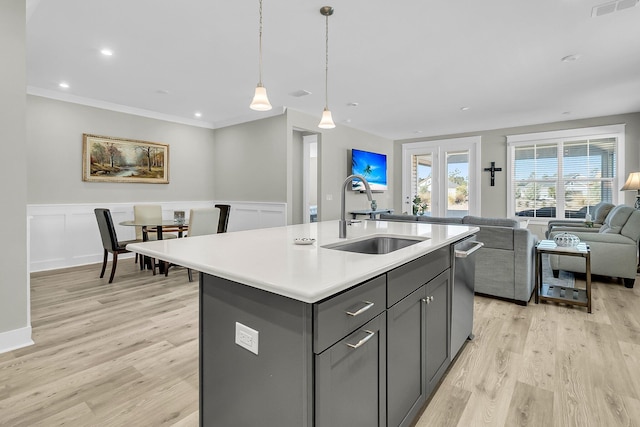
{"x": 416, "y": 204}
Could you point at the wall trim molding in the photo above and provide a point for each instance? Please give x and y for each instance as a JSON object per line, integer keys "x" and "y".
{"x": 66, "y": 97}
{"x": 15, "y": 339}
{"x": 66, "y": 235}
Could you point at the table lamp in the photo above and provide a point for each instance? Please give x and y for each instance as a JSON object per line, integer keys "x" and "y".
{"x": 633, "y": 183}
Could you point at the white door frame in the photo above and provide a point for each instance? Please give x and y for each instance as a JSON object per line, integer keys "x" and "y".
{"x": 307, "y": 140}
{"x": 438, "y": 149}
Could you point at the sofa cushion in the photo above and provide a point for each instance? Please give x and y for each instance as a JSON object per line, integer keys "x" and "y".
{"x": 616, "y": 219}
{"x": 600, "y": 212}
{"x": 440, "y": 220}
{"x": 500, "y": 222}
{"x": 496, "y": 237}
{"x": 632, "y": 227}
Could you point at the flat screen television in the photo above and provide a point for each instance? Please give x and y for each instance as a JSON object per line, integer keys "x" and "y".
{"x": 372, "y": 166}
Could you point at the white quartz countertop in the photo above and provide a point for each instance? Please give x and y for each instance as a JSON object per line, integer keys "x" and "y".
{"x": 268, "y": 259}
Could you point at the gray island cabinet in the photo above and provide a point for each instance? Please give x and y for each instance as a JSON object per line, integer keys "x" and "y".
{"x": 326, "y": 348}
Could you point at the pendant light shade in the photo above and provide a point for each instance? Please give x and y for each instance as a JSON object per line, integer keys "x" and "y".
{"x": 327, "y": 121}
{"x": 260, "y": 100}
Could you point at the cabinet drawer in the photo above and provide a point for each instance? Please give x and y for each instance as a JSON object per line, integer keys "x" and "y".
{"x": 338, "y": 316}
{"x": 409, "y": 277}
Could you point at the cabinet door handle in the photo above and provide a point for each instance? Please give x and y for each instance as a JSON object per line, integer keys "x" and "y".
{"x": 367, "y": 305}
{"x": 363, "y": 340}
{"x": 427, "y": 299}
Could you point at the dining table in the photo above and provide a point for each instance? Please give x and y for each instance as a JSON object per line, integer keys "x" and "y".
{"x": 166, "y": 225}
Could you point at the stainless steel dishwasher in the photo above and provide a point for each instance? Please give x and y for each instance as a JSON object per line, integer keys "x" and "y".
{"x": 464, "y": 268}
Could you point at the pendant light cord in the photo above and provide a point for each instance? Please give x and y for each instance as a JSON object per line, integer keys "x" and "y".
{"x": 260, "y": 49}
{"x": 326, "y": 67}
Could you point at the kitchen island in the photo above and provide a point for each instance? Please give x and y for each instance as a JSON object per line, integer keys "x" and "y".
{"x": 304, "y": 335}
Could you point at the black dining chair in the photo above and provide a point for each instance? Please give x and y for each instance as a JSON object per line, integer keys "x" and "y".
{"x": 224, "y": 217}
{"x": 110, "y": 241}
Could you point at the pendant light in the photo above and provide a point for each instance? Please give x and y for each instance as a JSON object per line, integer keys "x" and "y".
{"x": 326, "y": 122}
{"x": 260, "y": 101}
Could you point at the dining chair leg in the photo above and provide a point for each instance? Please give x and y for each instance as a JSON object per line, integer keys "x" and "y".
{"x": 190, "y": 274}
{"x": 104, "y": 263}
{"x": 113, "y": 266}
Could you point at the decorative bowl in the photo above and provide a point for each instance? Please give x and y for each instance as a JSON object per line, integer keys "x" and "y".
{"x": 304, "y": 241}
{"x": 566, "y": 240}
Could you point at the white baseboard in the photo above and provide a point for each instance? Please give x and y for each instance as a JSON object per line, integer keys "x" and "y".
{"x": 15, "y": 339}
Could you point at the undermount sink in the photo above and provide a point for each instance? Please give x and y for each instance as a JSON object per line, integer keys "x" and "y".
{"x": 377, "y": 245}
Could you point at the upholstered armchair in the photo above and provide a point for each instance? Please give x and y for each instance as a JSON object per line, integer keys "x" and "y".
{"x": 598, "y": 215}
{"x": 614, "y": 246}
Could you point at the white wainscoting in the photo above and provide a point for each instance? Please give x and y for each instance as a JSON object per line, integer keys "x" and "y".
{"x": 66, "y": 235}
{"x": 250, "y": 215}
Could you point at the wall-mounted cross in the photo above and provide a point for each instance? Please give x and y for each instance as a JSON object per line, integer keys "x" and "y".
{"x": 493, "y": 169}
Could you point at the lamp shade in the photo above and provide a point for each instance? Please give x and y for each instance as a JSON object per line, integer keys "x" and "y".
{"x": 260, "y": 101}
{"x": 326, "y": 122}
{"x": 633, "y": 182}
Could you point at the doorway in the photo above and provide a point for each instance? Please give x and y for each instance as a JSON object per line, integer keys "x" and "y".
{"x": 440, "y": 178}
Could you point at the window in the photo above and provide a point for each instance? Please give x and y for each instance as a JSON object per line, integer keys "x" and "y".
{"x": 564, "y": 174}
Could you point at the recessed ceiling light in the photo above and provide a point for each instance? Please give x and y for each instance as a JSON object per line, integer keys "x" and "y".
{"x": 106, "y": 52}
{"x": 570, "y": 58}
{"x": 198, "y": 114}
{"x": 464, "y": 109}
{"x": 64, "y": 85}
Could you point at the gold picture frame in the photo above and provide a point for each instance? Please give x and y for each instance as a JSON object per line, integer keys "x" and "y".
{"x": 110, "y": 159}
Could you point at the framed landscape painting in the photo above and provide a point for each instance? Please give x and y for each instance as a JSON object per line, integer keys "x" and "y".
{"x": 109, "y": 159}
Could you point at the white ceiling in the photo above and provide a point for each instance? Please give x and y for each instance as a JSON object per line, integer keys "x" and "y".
{"x": 411, "y": 65}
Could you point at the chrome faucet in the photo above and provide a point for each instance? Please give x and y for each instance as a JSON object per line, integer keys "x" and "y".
{"x": 343, "y": 221}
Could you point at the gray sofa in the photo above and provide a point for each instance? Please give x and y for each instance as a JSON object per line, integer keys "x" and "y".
{"x": 505, "y": 265}
{"x": 598, "y": 215}
{"x": 614, "y": 246}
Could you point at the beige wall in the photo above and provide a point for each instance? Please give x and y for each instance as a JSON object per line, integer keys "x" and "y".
{"x": 494, "y": 149}
{"x": 54, "y": 141}
{"x": 14, "y": 285}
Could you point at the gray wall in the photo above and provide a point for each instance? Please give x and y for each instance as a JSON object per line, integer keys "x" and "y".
{"x": 260, "y": 161}
{"x": 13, "y": 173}
{"x": 250, "y": 162}
{"x": 333, "y": 167}
{"x": 494, "y": 149}
{"x": 54, "y": 141}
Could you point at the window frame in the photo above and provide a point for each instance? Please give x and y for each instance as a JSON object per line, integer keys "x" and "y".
{"x": 558, "y": 138}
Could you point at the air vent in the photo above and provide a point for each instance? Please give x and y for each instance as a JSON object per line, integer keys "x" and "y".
{"x": 613, "y": 6}
{"x": 300, "y": 93}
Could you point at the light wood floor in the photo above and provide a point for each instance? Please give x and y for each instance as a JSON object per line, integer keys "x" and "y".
{"x": 126, "y": 354}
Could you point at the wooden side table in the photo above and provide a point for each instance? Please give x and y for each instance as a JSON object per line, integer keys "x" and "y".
{"x": 563, "y": 294}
